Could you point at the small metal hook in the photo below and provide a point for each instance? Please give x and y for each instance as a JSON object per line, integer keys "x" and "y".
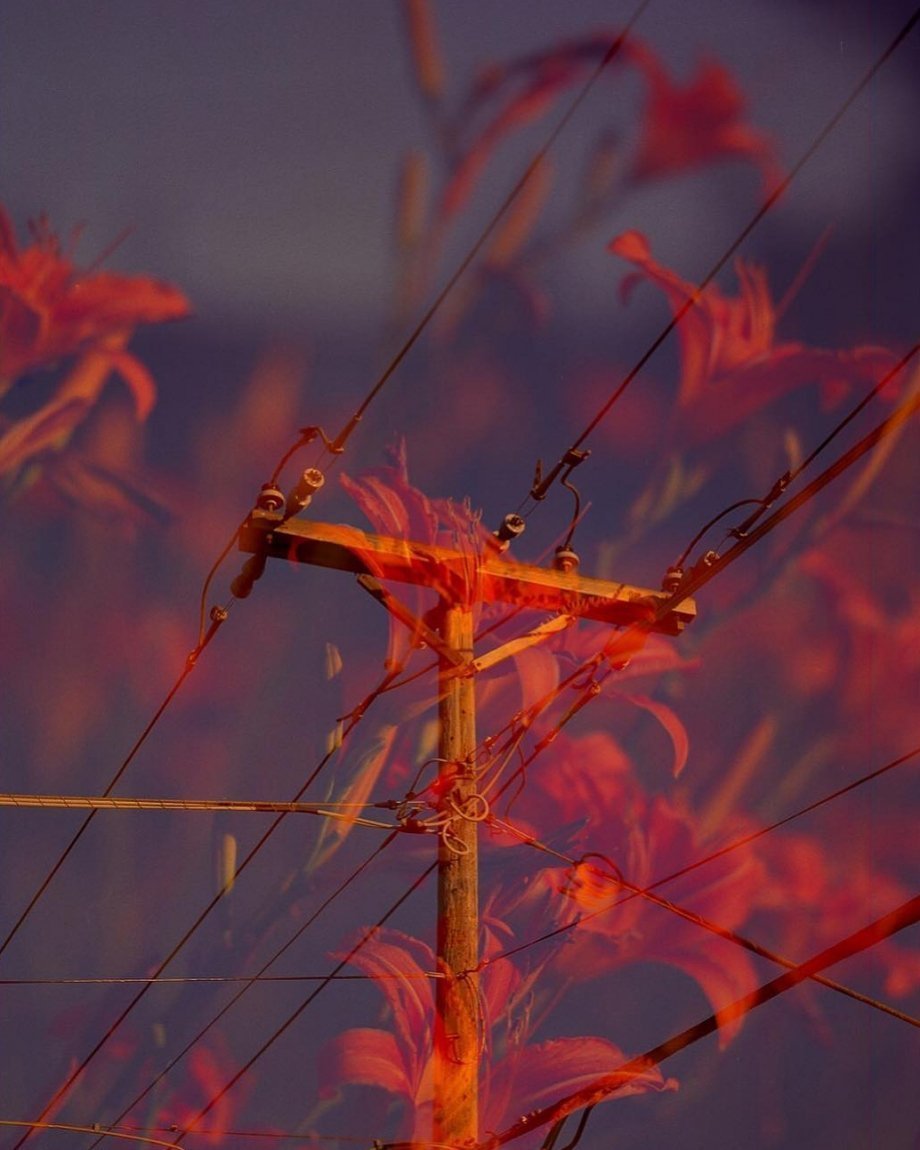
{"x": 566, "y": 559}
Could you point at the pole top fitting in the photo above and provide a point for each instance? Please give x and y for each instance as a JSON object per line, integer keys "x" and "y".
{"x": 566, "y": 560}
{"x": 511, "y": 527}
{"x": 309, "y": 483}
{"x": 270, "y": 498}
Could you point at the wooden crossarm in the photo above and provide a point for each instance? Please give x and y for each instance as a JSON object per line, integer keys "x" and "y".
{"x": 461, "y": 577}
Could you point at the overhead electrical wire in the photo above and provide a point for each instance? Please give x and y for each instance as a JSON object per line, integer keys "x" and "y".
{"x": 608, "y": 1083}
{"x": 340, "y": 440}
{"x": 274, "y": 1135}
{"x": 736, "y": 844}
{"x": 71, "y": 1128}
{"x": 260, "y": 976}
{"x": 541, "y": 487}
{"x": 237, "y": 806}
{"x": 692, "y": 582}
{"x": 192, "y": 980}
{"x": 616, "y": 879}
{"x": 784, "y": 481}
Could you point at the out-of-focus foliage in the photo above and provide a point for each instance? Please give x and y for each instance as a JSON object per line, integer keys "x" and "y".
{"x": 600, "y": 769}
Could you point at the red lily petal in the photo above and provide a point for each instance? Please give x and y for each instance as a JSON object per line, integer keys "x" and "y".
{"x": 686, "y": 126}
{"x": 402, "y": 962}
{"x": 554, "y": 1070}
{"x": 367, "y": 1057}
{"x": 44, "y": 431}
{"x": 674, "y": 728}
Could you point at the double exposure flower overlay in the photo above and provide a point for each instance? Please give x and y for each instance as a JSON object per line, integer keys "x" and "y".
{"x": 74, "y": 326}
{"x": 624, "y": 783}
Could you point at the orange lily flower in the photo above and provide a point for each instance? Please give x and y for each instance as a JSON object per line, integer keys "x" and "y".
{"x": 49, "y": 311}
{"x": 516, "y": 1076}
{"x": 731, "y": 361}
{"x": 687, "y": 126}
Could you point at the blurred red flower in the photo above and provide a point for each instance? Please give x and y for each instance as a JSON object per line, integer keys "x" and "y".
{"x": 687, "y": 126}
{"x": 516, "y": 1076}
{"x": 731, "y": 362}
{"x": 49, "y": 311}
{"x": 639, "y": 840}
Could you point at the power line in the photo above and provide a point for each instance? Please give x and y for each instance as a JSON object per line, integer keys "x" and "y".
{"x": 542, "y": 485}
{"x": 78, "y": 1070}
{"x": 745, "y": 840}
{"x": 260, "y": 977}
{"x": 292, "y": 1018}
{"x": 236, "y": 806}
{"x": 71, "y": 1128}
{"x": 735, "y": 937}
{"x": 607, "y": 1084}
{"x": 275, "y": 1135}
{"x": 191, "y": 980}
{"x": 788, "y": 477}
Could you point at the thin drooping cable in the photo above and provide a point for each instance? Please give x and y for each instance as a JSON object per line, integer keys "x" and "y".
{"x": 707, "y": 924}
{"x": 292, "y": 1018}
{"x": 78, "y": 1070}
{"x": 707, "y": 570}
{"x": 867, "y": 398}
{"x": 783, "y": 482}
{"x": 238, "y": 806}
{"x": 736, "y": 844}
{"x": 607, "y": 1084}
{"x": 697, "y": 579}
{"x": 183, "y": 980}
{"x": 273, "y": 1135}
{"x": 701, "y": 574}
{"x": 142, "y": 738}
{"x": 71, "y": 1128}
{"x": 540, "y": 489}
{"x": 219, "y": 616}
{"x": 616, "y": 45}
{"x": 259, "y": 977}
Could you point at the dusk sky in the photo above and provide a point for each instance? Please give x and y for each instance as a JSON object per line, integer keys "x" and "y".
{"x": 250, "y": 153}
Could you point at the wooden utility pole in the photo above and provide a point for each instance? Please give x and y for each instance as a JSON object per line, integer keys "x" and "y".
{"x": 271, "y": 532}
{"x": 457, "y": 1033}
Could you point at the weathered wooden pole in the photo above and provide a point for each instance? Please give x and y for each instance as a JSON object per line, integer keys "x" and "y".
{"x": 457, "y": 1033}
{"x": 272, "y": 532}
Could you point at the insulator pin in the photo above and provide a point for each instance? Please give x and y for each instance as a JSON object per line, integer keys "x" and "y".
{"x": 566, "y": 560}
{"x": 271, "y": 498}
{"x": 511, "y": 527}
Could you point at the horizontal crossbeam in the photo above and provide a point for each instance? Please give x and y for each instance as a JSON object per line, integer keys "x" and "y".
{"x": 458, "y": 576}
